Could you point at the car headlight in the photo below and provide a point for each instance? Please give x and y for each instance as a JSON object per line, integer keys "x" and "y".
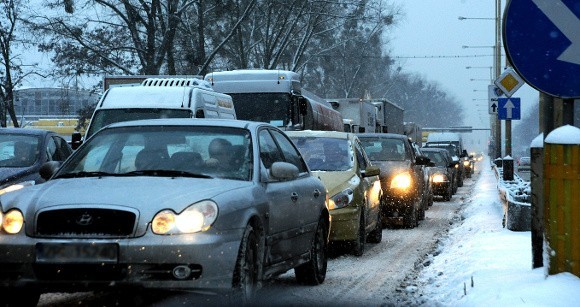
{"x": 12, "y": 221}
{"x": 401, "y": 181}
{"x": 340, "y": 200}
{"x": 438, "y": 178}
{"x": 16, "y": 187}
{"x": 197, "y": 217}
{"x": 466, "y": 163}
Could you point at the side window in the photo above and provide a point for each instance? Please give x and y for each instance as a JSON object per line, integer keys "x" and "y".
{"x": 269, "y": 152}
{"x": 62, "y": 149}
{"x": 290, "y": 153}
{"x": 51, "y": 150}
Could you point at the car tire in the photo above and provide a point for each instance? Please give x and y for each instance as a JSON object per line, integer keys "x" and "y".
{"x": 313, "y": 272}
{"x": 376, "y": 236}
{"x": 248, "y": 267}
{"x": 411, "y": 219}
{"x": 460, "y": 181}
{"x": 421, "y": 212}
{"x": 19, "y": 297}
{"x": 448, "y": 194}
{"x": 358, "y": 248}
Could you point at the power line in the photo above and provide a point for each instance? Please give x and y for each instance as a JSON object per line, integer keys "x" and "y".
{"x": 441, "y": 56}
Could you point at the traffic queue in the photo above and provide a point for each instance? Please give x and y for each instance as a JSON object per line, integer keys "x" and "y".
{"x": 217, "y": 203}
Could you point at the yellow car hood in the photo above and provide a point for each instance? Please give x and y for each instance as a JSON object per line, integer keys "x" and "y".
{"x": 336, "y": 182}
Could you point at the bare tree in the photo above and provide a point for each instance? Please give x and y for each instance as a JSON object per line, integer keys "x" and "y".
{"x": 11, "y": 70}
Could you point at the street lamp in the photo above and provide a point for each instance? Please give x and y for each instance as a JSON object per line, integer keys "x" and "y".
{"x": 482, "y": 67}
{"x": 482, "y": 18}
{"x": 495, "y": 123}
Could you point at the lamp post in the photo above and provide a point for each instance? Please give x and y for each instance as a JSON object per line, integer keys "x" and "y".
{"x": 494, "y": 122}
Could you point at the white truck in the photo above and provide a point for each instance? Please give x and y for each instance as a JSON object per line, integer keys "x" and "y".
{"x": 275, "y": 97}
{"x": 359, "y": 115}
{"x": 160, "y": 98}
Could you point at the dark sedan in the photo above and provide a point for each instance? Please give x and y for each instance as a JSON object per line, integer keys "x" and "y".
{"x": 23, "y": 151}
{"x": 443, "y": 173}
{"x": 402, "y": 177}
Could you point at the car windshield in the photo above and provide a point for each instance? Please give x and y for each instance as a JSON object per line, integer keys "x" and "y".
{"x": 436, "y": 158}
{"x": 325, "y": 154}
{"x": 384, "y": 149}
{"x": 276, "y": 112}
{"x": 164, "y": 151}
{"x": 451, "y": 149}
{"x": 17, "y": 150}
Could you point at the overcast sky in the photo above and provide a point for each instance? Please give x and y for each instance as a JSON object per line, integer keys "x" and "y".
{"x": 431, "y": 32}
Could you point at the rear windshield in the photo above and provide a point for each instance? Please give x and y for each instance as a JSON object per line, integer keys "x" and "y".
{"x": 105, "y": 117}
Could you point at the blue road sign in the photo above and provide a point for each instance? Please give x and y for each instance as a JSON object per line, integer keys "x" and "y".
{"x": 542, "y": 42}
{"x": 508, "y": 108}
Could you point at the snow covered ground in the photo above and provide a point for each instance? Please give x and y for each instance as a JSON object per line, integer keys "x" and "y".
{"x": 482, "y": 264}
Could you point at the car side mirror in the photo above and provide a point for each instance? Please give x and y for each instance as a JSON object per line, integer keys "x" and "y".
{"x": 76, "y": 140}
{"x": 370, "y": 171}
{"x": 303, "y": 105}
{"x": 431, "y": 164}
{"x": 48, "y": 169}
{"x": 283, "y": 171}
{"x": 422, "y": 160}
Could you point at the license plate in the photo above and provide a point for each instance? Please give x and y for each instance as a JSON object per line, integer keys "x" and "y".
{"x": 77, "y": 252}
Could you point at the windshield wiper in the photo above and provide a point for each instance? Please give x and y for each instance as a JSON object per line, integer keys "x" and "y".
{"x": 84, "y": 174}
{"x": 165, "y": 173}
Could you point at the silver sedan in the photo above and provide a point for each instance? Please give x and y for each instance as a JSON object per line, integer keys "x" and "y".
{"x": 191, "y": 204}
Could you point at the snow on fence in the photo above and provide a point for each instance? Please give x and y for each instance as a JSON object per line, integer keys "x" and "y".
{"x": 516, "y": 197}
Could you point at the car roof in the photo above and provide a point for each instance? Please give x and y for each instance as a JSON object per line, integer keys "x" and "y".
{"x": 433, "y": 149}
{"x": 321, "y": 134}
{"x": 383, "y": 136}
{"x": 233, "y": 123}
{"x": 26, "y": 131}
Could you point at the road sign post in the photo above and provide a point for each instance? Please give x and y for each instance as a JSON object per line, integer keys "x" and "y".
{"x": 542, "y": 44}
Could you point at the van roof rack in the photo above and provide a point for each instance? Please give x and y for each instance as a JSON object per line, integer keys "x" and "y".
{"x": 176, "y": 82}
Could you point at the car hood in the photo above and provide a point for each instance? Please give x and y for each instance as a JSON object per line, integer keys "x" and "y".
{"x": 391, "y": 168}
{"x": 11, "y": 175}
{"x": 336, "y": 182}
{"x": 147, "y": 195}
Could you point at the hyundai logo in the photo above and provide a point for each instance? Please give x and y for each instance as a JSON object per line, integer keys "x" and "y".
{"x": 84, "y": 220}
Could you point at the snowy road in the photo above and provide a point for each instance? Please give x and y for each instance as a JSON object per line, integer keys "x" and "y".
{"x": 381, "y": 277}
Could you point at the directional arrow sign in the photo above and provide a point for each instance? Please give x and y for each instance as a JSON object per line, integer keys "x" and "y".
{"x": 542, "y": 41}
{"x": 508, "y": 108}
{"x": 493, "y": 92}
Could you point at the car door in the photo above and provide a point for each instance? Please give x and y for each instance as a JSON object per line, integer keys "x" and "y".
{"x": 290, "y": 215}
{"x": 418, "y": 173}
{"x": 372, "y": 201}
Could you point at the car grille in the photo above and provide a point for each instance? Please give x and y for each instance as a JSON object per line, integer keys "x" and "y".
{"x": 83, "y": 222}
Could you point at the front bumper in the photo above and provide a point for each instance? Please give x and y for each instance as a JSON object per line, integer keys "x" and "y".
{"x": 144, "y": 262}
{"x": 344, "y": 224}
{"x": 440, "y": 188}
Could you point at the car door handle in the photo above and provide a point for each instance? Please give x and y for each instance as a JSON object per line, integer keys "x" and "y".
{"x": 316, "y": 193}
{"x": 294, "y": 197}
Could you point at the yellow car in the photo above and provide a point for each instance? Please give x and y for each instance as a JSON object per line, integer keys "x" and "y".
{"x": 353, "y": 185}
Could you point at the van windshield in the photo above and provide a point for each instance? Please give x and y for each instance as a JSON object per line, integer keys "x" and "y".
{"x": 105, "y": 117}
{"x": 270, "y": 108}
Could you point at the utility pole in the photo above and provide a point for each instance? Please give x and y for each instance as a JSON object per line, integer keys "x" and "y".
{"x": 496, "y": 122}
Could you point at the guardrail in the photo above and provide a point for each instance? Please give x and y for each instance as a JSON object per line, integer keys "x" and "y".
{"x": 516, "y": 197}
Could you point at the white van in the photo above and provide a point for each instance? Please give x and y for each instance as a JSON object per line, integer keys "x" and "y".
{"x": 161, "y": 98}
